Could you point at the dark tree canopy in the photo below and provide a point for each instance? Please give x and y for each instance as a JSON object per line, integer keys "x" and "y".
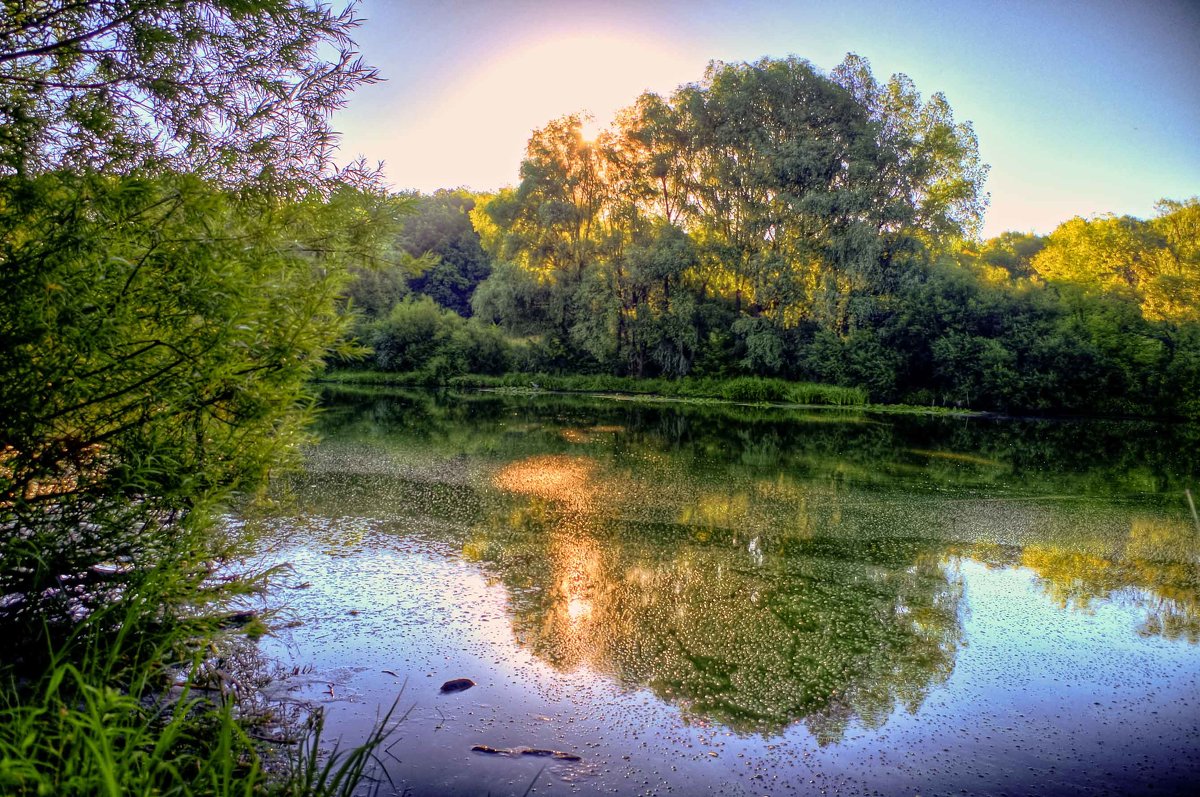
{"x": 440, "y": 227}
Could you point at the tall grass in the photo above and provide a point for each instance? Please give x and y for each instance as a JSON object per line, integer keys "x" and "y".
{"x": 76, "y": 737}
{"x": 751, "y": 389}
{"x": 122, "y": 707}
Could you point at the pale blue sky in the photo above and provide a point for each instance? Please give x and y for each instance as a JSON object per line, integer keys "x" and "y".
{"x": 1080, "y": 107}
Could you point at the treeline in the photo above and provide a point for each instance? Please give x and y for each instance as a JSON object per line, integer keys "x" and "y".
{"x": 774, "y": 220}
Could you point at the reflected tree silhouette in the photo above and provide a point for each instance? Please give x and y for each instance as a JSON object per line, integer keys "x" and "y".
{"x": 736, "y": 611}
{"x": 759, "y": 569}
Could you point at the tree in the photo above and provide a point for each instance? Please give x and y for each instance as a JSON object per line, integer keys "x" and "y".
{"x": 411, "y": 335}
{"x": 1109, "y": 253}
{"x": 1175, "y": 294}
{"x": 1013, "y": 252}
{"x": 155, "y": 346}
{"x": 779, "y": 192}
{"x": 513, "y": 298}
{"x": 235, "y": 90}
{"x": 794, "y": 196}
{"x": 440, "y": 228}
{"x": 772, "y": 219}
{"x": 160, "y": 328}
{"x": 1156, "y": 261}
{"x": 560, "y": 198}
{"x": 930, "y": 163}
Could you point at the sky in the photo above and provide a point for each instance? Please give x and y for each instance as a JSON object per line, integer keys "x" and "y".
{"x": 1081, "y": 106}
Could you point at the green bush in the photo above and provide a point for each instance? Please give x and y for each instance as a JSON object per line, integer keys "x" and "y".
{"x": 412, "y": 333}
{"x": 483, "y": 346}
{"x": 159, "y": 339}
{"x": 418, "y": 336}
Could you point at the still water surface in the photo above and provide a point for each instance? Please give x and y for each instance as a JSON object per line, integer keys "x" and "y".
{"x": 698, "y": 599}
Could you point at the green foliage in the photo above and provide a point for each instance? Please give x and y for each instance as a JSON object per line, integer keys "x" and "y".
{"x": 482, "y": 347}
{"x": 174, "y": 238}
{"x": 420, "y": 336}
{"x": 157, "y": 341}
{"x": 513, "y": 298}
{"x": 235, "y": 90}
{"x": 440, "y": 228}
{"x": 374, "y": 291}
{"x": 1157, "y": 262}
{"x": 1013, "y": 252}
{"x": 764, "y": 346}
{"x": 958, "y": 333}
{"x": 932, "y": 160}
{"x": 410, "y": 336}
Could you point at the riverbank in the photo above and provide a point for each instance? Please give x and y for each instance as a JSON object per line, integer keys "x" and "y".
{"x": 757, "y": 391}
{"x": 745, "y": 390}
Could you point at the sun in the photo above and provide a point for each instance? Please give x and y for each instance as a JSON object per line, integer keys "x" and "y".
{"x": 589, "y": 129}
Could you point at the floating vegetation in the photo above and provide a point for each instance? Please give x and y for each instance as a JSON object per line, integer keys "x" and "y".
{"x": 668, "y": 584}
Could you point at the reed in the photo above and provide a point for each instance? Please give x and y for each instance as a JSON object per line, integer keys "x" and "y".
{"x": 125, "y": 704}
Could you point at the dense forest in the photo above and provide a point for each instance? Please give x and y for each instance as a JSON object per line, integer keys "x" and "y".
{"x": 775, "y": 220}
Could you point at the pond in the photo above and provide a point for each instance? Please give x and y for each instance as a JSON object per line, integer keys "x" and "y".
{"x": 684, "y": 599}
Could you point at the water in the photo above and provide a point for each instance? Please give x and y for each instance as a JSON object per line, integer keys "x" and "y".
{"x": 698, "y": 599}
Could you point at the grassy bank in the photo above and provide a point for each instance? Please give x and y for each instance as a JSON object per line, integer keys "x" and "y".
{"x": 161, "y": 691}
{"x": 129, "y": 718}
{"x": 742, "y": 389}
{"x": 74, "y": 735}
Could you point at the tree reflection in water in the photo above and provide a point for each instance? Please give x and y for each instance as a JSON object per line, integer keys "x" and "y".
{"x": 737, "y": 616}
{"x": 758, "y": 569}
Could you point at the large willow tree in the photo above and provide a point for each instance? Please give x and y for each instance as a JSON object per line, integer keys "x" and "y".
{"x": 791, "y": 195}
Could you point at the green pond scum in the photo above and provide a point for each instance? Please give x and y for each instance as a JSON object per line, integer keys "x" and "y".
{"x": 711, "y": 598}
